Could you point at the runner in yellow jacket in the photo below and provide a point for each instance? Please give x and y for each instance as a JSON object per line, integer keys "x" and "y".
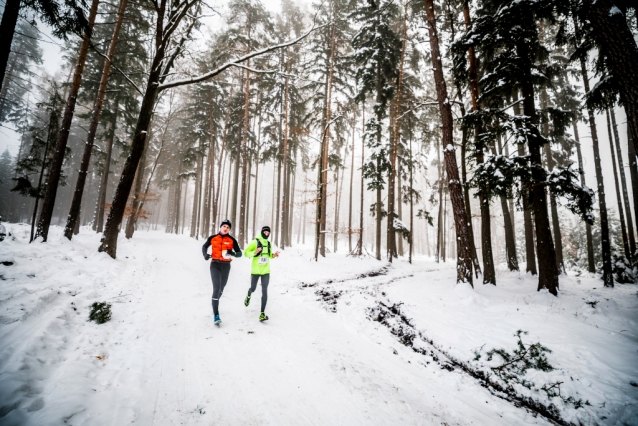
{"x": 260, "y": 250}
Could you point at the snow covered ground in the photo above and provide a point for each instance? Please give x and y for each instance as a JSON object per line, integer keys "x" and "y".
{"x": 325, "y": 357}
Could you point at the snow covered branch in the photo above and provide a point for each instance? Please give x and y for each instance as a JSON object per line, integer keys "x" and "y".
{"x": 237, "y": 61}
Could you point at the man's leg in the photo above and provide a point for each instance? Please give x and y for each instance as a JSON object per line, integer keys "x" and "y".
{"x": 265, "y": 279}
{"x": 215, "y": 275}
{"x": 253, "y": 283}
{"x": 224, "y": 269}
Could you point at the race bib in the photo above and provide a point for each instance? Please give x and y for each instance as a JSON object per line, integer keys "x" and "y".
{"x": 225, "y": 254}
{"x": 263, "y": 260}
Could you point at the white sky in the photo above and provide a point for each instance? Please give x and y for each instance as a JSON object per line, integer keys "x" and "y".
{"x": 52, "y": 61}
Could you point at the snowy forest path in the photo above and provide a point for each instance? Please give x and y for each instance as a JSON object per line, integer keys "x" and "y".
{"x": 304, "y": 366}
{"x": 162, "y": 361}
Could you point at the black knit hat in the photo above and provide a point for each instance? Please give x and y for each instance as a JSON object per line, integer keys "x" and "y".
{"x": 226, "y": 222}
{"x": 265, "y": 228}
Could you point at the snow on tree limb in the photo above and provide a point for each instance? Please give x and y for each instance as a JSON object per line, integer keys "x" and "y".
{"x": 237, "y": 61}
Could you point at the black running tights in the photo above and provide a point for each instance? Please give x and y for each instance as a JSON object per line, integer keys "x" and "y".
{"x": 265, "y": 279}
{"x": 219, "y": 274}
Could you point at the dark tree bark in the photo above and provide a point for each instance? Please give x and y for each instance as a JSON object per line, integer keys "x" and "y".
{"x": 135, "y": 202}
{"x": 530, "y": 256}
{"x": 98, "y": 222}
{"x": 359, "y": 249}
{"x": 621, "y": 212}
{"x": 633, "y": 171}
{"x": 623, "y": 181}
{"x": 558, "y": 240}
{"x": 74, "y": 213}
{"x": 464, "y": 255}
{"x": 548, "y": 272}
{"x": 489, "y": 274}
{"x": 608, "y": 278}
{"x": 591, "y": 264}
{"x": 63, "y": 136}
{"x": 510, "y": 240}
{"x": 618, "y": 46}
{"x": 245, "y": 173}
{"x": 354, "y": 117}
{"x": 439, "y": 223}
{"x": 7, "y": 30}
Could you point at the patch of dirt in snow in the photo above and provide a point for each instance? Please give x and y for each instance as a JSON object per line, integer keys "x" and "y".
{"x": 401, "y": 326}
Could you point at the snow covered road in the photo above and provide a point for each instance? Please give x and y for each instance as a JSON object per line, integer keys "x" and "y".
{"x": 161, "y": 361}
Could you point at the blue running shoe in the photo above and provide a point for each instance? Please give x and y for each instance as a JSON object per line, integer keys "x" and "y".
{"x": 217, "y": 320}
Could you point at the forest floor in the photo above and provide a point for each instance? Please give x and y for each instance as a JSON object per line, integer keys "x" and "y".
{"x": 350, "y": 341}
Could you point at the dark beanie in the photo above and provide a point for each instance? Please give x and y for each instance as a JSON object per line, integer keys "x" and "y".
{"x": 264, "y": 229}
{"x": 226, "y": 222}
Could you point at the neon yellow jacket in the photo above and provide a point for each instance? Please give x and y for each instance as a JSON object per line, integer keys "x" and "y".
{"x": 261, "y": 262}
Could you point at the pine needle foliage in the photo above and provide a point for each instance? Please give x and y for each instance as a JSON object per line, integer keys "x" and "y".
{"x": 100, "y": 312}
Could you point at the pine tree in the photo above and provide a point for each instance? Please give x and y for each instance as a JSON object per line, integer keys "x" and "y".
{"x": 377, "y": 53}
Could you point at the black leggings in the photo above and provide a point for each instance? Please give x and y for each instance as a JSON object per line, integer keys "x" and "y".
{"x": 265, "y": 279}
{"x": 219, "y": 273}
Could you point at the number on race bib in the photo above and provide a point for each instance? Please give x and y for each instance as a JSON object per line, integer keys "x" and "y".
{"x": 225, "y": 254}
{"x": 263, "y": 260}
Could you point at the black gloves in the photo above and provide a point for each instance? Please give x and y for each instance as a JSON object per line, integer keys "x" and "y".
{"x": 207, "y": 256}
{"x": 233, "y": 253}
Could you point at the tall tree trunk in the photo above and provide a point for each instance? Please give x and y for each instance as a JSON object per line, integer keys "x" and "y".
{"x": 257, "y": 167}
{"x": 621, "y": 212}
{"x": 323, "y": 163}
{"x": 608, "y": 278}
{"x": 335, "y": 226}
{"x": 548, "y": 272}
{"x": 74, "y": 212}
{"x": 439, "y": 223}
{"x": 87, "y": 197}
{"x": 412, "y": 208}
{"x": 359, "y": 249}
{"x": 618, "y": 45}
{"x": 394, "y": 148}
{"x": 623, "y": 181}
{"x": 7, "y": 30}
{"x": 464, "y": 254}
{"x": 558, "y": 240}
{"x": 354, "y": 118}
{"x": 633, "y": 171}
{"x": 98, "y": 223}
{"x": 183, "y": 225}
{"x": 510, "y": 239}
{"x": 245, "y": 173}
{"x": 137, "y": 212}
{"x": 55, "y": 169}
{"x": 137, "y": 192}
{"x": 400, "y": 210}
{"x": 50, "y": 131}
{"x": 197, "y": 197}
{"x": 285, "y": 199}
{"x": 178, "y": 199}
{"x": 528, "y": 223}
{"x": 489, "y": 274}
{"x": 591, "y": 264}
{"x": 291, "y": 204}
